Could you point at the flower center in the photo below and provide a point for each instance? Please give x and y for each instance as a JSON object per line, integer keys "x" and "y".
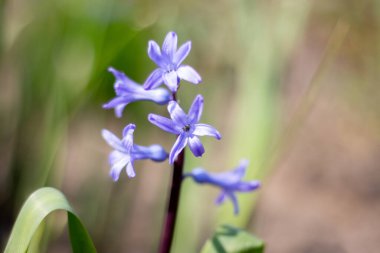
{"x": 171, "y": 67}
{"x": 186, "y": 128}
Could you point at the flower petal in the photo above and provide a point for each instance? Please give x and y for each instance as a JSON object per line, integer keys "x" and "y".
{"x": 178, "y": 146}
{"x": 221, "y": 198}
{"x": 164, "y": 123}
{"x": 119, "y": 110}
{"x": 204, "y": 129}
{"x": 154, "y": 53}
{"x": 117, "y": 101}
{"x": 189, "y": 74}
{"x": 195, "y": 111}
{"x": 182, "y": 53}
{"x": 196, "y": 146}
{"x": 154, "y": 152}
{"x": 118, "y": 166}
{"x": 177, "y": 114}
{"x": 235, "y": 203}
{"x": 169, "y": 47}
{"x": 112, "y": 140}
{"x": 128, "y": 136}
{"x": 240, "y": 170}
{"x": 171, "y": 80}
{"x": 154, "y": 79}
{"x": 248, "y": 186}
{"x": 118, "y": 74}
{"x": 123, "y": 84}
{"x": 130, "y": 170}
{"x": 159, "y": 96}
{"x": 115, "y": 156}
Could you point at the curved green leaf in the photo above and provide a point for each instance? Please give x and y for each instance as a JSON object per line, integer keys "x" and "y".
{"x": 39, "y": 204}
{"x": 228, "y": 239}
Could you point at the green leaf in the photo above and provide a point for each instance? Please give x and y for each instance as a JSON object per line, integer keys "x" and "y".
{"x": 228, "y": 239}
{"x": 36, "y": 208}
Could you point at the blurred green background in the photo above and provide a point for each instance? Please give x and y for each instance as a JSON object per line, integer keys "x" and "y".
{"x": 292, "y": 85}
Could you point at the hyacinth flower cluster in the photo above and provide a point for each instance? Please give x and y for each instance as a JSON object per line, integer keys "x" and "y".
{"x": 186, "y": 127}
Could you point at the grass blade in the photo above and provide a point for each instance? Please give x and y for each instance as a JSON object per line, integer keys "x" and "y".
{"x": 36, "y": 208}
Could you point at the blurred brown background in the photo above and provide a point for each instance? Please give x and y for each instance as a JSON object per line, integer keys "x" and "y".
{"x": 292, "y": 85}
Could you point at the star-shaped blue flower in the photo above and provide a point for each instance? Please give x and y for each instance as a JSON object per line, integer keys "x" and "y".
{"x": 169, "y": 59}
{"x": 126, "y": 152}
{"x": 230, "y": 182}
{"x": 186, "y": 126}
{"x": 128, "y": 91}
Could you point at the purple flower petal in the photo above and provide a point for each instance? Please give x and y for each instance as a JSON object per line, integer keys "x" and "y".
{"x": 118, "y": 74}
{"x": 204, "y": 129}
{"x": 195, "y": 111}
{"x": 164, "y": 123}
{"x": 118, "y": 167}
{"x": 130, "y": 170}
{"x": 115, "y": 102}
{"x": 119, "y": 110}
{"x": 159, "y": 96}
{"x": 241, "y": 169}
{"x": 154, "y": 53}
{"x": 128, "y": 136}
{"x": 154, "y": 152}
{"x": 115, "y": 156}
{"x": 248, "y": 186}
{"x": 171, "y": 80}
{"x": 177, "y": 114}
{"x": 125, "y": 99}
{"x": 177, "y": 147}
{"x": 113, "y": 140}
{"x": 154, "y": 80}
{"x": 123, "y": 84}
{"x": 169, "y": 47}
{"x": 196, "y": 146}
{"x": 225, "y": 180}
{"x": 235, "y": 203}
{"x": 221, "y": 198}
{"x": 182, "y": 53}
{"x": 189, "y": 74}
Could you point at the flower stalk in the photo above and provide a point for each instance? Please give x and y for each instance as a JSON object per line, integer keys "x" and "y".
{"x": 171, "y": 214}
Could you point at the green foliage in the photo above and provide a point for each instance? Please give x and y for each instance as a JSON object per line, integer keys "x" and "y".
{"x": 228, "y": 239}
{"x": 36, "y": 208}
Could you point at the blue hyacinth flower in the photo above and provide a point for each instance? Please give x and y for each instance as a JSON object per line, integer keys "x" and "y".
{"x": 128, "y": 91}
{"x": 186, "y": 126}
{"x": 169, "y": 59}
{"x": 126, "y": 152}
{"x": 229, "y": 182}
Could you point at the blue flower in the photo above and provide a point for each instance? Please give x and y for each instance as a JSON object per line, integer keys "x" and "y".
{"x": 126, "y": 152}
{"x": 186, "y": 126}
{"x": 230, "y": 182}
{"x": 128, "y": 91}
{"x": 170, "y": 71}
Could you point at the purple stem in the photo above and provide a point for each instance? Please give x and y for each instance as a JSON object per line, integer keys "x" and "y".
{"x": 171, "y": 215}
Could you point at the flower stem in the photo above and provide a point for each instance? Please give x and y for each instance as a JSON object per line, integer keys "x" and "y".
{"x": 171, "y": 215}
